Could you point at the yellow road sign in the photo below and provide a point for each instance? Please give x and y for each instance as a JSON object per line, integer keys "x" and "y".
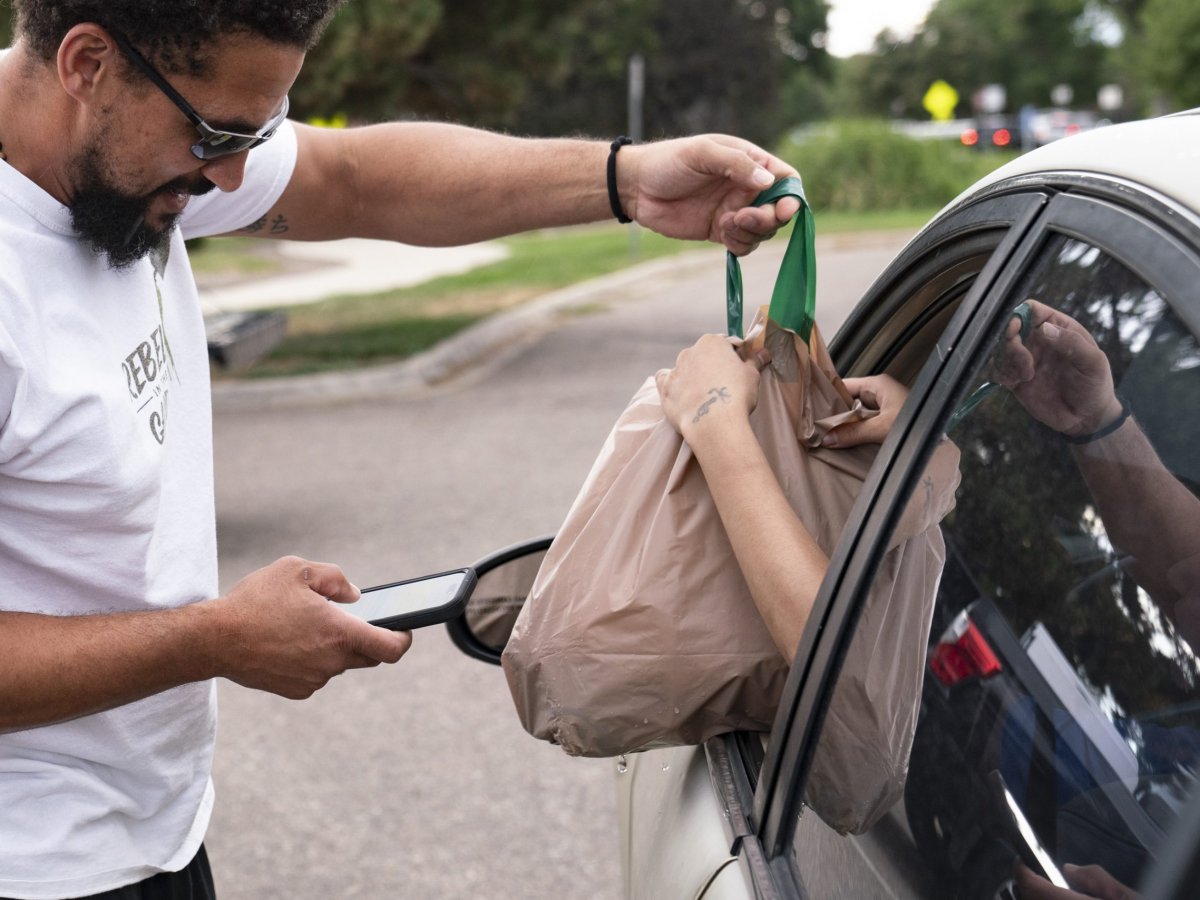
{"x": 940, "y": 101}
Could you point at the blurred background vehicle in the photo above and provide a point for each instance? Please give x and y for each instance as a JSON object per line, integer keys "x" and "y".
{"x": 1052, "y": 124}
{"x": 992, "y": 132}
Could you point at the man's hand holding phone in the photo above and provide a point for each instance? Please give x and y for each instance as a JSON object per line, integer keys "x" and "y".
{"x": 277, "y": 632}
{"x": 415, "y": 603}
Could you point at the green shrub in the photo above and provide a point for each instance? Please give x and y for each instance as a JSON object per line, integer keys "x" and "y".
{"x": 860, "y": 166}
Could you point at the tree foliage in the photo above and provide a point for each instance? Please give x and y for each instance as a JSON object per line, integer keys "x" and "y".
{"x": 554, "y": 68}
{"x": 1028, "y": 46}
{"x": 1168, "y": 54}
{"x": 753, "y": 67}
{"x": 587, "y": 90}
{"x": 360, "y": 64}
{"x": 722, "y": 66}
{"x": 866, "y": 165}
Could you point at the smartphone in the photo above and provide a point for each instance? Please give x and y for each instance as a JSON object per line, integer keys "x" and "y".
{"x": 416, "y": 602}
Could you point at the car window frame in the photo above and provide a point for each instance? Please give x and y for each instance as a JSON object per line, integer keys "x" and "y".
{"x": 1076, "y": 208}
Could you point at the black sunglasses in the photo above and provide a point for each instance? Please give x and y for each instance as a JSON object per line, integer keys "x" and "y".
{"x": 213, "y": 142}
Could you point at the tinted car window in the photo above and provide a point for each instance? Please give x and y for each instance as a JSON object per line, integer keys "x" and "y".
{"x": 1061, "y": 681}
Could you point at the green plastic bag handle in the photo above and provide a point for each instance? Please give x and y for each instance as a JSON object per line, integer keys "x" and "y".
{"x": 794, "y": 300}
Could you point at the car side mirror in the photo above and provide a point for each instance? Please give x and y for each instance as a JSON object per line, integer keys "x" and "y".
{"x": 505, "y": 580}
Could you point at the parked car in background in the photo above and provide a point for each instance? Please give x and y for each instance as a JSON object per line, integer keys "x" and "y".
{"x": 1047, "y": 125}
{"x": 1060, "y": 713}
{"x": 1026, "y": 131}
{"x": 992, "y": 132}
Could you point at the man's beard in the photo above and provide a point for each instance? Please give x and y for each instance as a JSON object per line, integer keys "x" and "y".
{"x": 113, "y": 222}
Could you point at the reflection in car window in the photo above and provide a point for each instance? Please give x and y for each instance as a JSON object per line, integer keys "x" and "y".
{"x": 1062, "y": 688}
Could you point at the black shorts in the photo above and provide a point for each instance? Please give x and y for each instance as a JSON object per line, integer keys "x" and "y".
{"x": 193, "y": 882}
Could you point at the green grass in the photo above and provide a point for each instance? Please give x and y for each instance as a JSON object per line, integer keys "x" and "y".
{"x": 352, "y": 331}
{"x": 882, "y": 220}
{"x": 232, "y": 257}
{"x": 352, "y": 347}
{"x": 858, "y": 165}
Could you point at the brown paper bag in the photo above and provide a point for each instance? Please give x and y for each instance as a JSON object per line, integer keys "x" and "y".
{"x": 640, "y": 631}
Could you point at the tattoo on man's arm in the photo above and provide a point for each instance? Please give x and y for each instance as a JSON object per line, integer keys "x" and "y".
{"x": 715, "y": 394}
{"x": 278, "y": 225}
{"x": 256, "y": 226}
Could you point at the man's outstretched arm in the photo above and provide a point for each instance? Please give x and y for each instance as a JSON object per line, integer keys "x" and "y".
{"x": 433, "y": 184}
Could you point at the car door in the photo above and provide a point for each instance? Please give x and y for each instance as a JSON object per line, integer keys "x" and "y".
{"x": 1069, "y": 736}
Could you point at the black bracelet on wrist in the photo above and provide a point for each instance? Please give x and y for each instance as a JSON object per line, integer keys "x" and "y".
{"x": 614, "y": 199}
{"x": 1108, "y": 429}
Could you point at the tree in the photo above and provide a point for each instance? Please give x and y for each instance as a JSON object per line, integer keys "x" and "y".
{"x": 1168, "y": 54}
{"x": 723, "y": 64}
{"x": 360, "y": 67}
{"x": 889, "y": 81}
{"x": 1128, "y": 13}
{"x": 743, "y": 66}
{"x": 473, "y": 61}
{"x": 806, "y": 91}
{"x": 485, "y": 57}
{"x": 552, "y": 67}
{"x": 1028, "y": 46}
{"x": 751, "y": 67}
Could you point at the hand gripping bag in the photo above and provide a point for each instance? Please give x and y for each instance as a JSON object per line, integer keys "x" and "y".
{"x": 640, "y": 631}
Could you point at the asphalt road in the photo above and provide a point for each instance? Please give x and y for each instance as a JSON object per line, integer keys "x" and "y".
{"x": 416, "y": 781}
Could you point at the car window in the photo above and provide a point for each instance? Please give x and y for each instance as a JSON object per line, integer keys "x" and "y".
{"x": 1060, "y": 707}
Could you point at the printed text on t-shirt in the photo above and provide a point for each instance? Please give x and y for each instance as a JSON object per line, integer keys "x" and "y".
{"x": 148, "y": 372}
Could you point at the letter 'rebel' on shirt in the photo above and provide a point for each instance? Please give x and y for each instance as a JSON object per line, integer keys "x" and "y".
{"x": 106, "y": 504}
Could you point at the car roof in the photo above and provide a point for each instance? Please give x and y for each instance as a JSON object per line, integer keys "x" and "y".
{"x": 1162, "y": 154}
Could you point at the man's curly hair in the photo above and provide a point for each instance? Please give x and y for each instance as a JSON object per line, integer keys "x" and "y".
{"x": 174, "y": 34}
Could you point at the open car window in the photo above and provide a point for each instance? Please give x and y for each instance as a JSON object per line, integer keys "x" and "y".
{"x": 1058, "y": 718}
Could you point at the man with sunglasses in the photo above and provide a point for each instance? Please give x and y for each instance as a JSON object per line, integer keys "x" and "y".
{"x": 118, "y": 118}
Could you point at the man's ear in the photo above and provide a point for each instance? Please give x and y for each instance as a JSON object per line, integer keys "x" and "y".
{"x": 87, "y": 62}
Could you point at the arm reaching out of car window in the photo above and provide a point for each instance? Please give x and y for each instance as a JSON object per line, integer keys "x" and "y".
{"x": 880, "y": 392}
{"x": 708, "y": 398}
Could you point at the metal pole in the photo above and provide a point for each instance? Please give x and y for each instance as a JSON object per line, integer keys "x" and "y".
{"x": 637, "y": 92}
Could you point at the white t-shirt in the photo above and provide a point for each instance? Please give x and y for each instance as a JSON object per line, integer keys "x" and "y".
{"x": 106, "y": 504}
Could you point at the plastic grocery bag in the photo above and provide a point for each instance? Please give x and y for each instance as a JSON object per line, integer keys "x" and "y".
{"x": 640, "y": 630}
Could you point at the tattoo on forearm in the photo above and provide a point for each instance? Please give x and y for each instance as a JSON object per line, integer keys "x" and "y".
{"x": 715, "y": 394}
{"x": 278, "y": 225}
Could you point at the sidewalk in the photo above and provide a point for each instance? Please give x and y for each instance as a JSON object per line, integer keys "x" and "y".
{"x": 351, "y": 266}
{"x": 457, "y": 353}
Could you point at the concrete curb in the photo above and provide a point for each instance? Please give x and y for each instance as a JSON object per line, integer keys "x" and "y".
{"x": 456, "y": 354}
{"x": 486, "y": 339}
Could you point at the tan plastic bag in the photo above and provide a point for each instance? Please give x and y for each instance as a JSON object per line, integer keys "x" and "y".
{"x": 640, "y": 631}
